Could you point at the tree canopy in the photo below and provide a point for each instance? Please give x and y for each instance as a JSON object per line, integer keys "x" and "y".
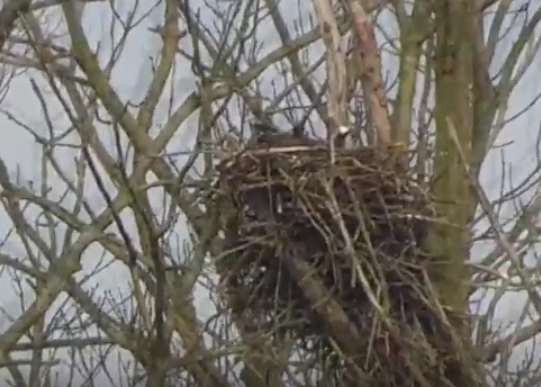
{"x": 116, "y": 115}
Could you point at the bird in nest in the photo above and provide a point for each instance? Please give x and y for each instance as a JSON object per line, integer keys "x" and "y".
{"x": 266, "y": 133}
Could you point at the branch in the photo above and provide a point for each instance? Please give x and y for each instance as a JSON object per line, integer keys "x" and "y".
{"x": 505, "y": 245}
{"x": 413, "y": 33}
{"x": 8, "y": 16}
{"x": 298, "y": 69}
{"x": 336, "y": 71}
{"x": 372, "y": 80}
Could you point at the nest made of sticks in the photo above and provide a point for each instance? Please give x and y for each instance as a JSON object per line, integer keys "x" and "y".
{"x": 318, "y": 247}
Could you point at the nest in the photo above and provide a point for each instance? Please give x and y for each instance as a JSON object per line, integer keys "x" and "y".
{"x": 330, "y": 254}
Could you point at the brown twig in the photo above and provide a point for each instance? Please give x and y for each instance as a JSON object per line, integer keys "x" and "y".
{"x": 371, "y": 78}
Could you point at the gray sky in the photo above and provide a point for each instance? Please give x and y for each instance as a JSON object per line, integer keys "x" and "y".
{"x": 22, "y": 154}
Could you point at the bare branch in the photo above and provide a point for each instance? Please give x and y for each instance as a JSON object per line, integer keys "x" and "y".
{"x": 336, "y": 71}
{"x": 371, "y": 80}
{"x": 9, "y": 13}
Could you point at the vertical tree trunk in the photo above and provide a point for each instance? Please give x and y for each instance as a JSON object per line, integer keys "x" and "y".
{"x": 455, "y": 22}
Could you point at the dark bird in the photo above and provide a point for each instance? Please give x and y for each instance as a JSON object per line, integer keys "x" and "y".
{"x": 264, "y": 133}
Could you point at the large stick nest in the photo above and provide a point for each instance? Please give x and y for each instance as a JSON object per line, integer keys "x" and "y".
{"x": 330, "y": 253}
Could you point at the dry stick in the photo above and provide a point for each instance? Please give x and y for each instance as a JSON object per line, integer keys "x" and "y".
{"x": 371, "y": 79}
{"x": 502, "y": 240}
{"x": 336, "y": 72}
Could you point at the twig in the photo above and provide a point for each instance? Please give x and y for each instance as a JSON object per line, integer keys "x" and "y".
{"x": 372, "y": 80}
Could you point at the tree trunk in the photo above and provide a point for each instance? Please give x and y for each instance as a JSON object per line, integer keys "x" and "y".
{"x": 454, "y": 67}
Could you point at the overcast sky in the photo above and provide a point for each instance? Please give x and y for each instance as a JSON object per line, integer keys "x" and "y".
{"x": 22, "y": 155}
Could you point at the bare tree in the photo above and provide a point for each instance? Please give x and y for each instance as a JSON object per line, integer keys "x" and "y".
{"x": 110, "y": 252}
